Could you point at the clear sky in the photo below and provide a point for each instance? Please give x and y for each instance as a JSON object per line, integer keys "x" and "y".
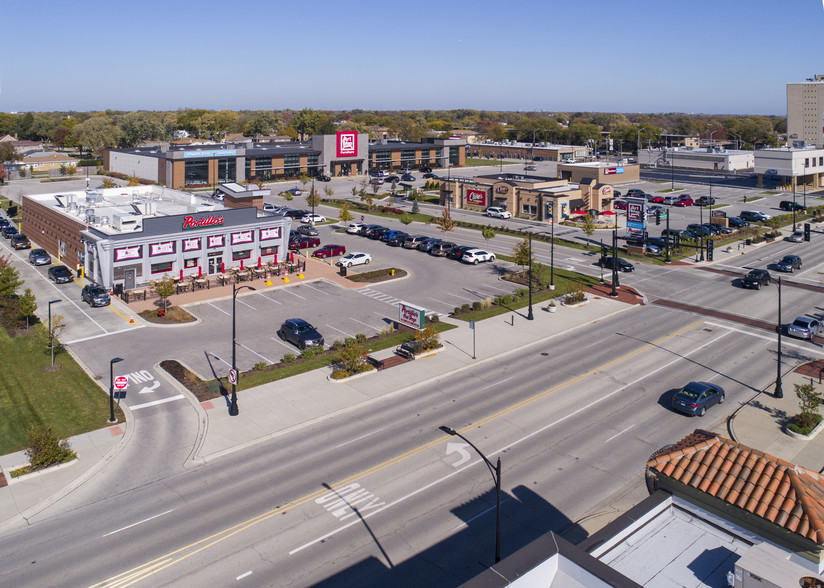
{"x": 692, "y": 56}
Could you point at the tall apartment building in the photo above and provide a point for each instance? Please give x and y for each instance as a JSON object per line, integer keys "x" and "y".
{"x": 805, "y": 111}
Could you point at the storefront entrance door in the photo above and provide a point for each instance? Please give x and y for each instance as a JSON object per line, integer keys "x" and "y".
{"x": 128, "y": 279}
{"x": 215, "y": 263}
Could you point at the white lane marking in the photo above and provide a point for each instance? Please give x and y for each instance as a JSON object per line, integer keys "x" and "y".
{"x": 768, "y": 338}
{"x": 357, "y": 439}
{"x": 289, "y": 290}
{"x": 364, "y": 324}
{"x": 240, "y": 577}
{"x": 619, "y": 433}
{"x": 281, "y": 342}
{"x": 220, "y": 309}
{"x": 461, "y": 297}
{"x": 316, "y": 289}
{"x": 497, "y": 288}
{"x": 244, "y": 304}
{"x": 338, "y": 330}
{"x": 269, "y": 298}
{"x": 256, "y": 353}
{"x": 106, "y": 334}
{"x": 137, "y": 523}
{"x": 156, "y": 402}
{"x": 441, "y": 302}
{"x": 498, "y": 383}
{"x": 149, "y": 389}
{"x": 506, "y": 447}
{"x": 477, "y": 516}
{"x": 461, "y": 450}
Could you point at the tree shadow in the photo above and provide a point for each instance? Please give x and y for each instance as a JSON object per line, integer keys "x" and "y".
{"x": 780, "y": 417}
{"x": 223, "y": 391}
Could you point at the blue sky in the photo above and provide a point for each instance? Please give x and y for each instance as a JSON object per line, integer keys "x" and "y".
{"x": 698, "y": 56}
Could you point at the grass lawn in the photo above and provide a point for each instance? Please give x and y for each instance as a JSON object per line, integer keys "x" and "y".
{"x": 669, "y": 190}
{"x": 770, "y": 192}
{"x": 718, "y": 206}
{"x": 65, "y": 399}
{"x": 754, "y": 198}
{"x": 474, "y": 162}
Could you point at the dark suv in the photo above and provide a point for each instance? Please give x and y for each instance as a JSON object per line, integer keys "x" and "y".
{"x": 300, "y": 333}
{"x": 704, "y": 201}
{"x": 755, "y": 279}
{"x": 95, "y": 295}
{"x": 621, "y": 264}
{"x": 789, "y": 206}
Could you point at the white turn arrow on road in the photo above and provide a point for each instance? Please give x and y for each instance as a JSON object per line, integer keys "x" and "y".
{"x": 151, "y": 388}
{"x": 460, "y": 448}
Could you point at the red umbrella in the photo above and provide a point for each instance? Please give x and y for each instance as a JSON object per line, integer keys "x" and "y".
{"x": 241, "y": 264}
{"x": 579, "y": 212}
{"x": 258, "y": 261}
{"x": 222, "y": 268}
{"x": 199, "y": 272}
{"x": 291, "y": 256}
{"x": 609, "y": 212}
{"x": 181, "y": 274}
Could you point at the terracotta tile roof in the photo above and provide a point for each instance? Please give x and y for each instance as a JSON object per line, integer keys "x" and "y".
{"x": 787, "y": 495}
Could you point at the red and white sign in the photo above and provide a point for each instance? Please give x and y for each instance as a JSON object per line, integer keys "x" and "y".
{"x": 476, "y": 197}
{"x": 501, "y": 190}
{"x": 191, "y": 244}
{"x": 121, "y": 382}
{"x": 347, "y": 143}
{"x": 161, "y": 248}
{"x": 272, "y": 233}
{"x": 243, "y": 237}
{"x": 411, "y": 316}
{"x": 214, "y": 241}
{"x": 189, "y": 222}
{"x": 125, "y": 253}
{"x": 233, "y": 376}
{"x": 610, "y": 170}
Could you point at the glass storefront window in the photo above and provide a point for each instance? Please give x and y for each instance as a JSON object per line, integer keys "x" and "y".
{"x": 263, "y": 168}
{"x": 291, "y": 164}
{"x": 165, "y": 266}
{"x": 226, "y": 169}
{"x": 407, "y": 157}
{"x": 245, "y": 254}
{"x": 196, "y": 173}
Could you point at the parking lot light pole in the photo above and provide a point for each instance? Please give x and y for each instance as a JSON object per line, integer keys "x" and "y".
{"x": 794, "y": 226}
{"x": 529, "y": 315}
{"x": 496, "y": 475}
{"x": 552, "y": 249}
{"x": 779, "y": 391}
{"x": 615, "y": 283}
{"x": 51, "y": 342}
{"x": 233, "y": 409}
{"x": 112, "y": 361}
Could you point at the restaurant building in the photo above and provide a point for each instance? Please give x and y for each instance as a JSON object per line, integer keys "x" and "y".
{"x": 127, "y": 237}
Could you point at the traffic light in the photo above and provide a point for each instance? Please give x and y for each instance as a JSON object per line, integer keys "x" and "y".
{"x": 657, "y": 217}
{"x": 807, "y": 228}
{"x": 709, "y": 249}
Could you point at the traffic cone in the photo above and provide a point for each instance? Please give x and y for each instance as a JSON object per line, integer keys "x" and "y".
{"x": 285, "y": 279}
{"x": 131, "y": 319}
{"x": 268, "y": 282}
{"x": 300, "y": 275}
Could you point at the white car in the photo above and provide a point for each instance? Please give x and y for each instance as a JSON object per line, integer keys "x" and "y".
{"x": 354, "y": 228}
{"x": 495, "y": 212}
{"x": 568, "y": 160}
{"x": 295, "y": 191}
{"x": 476, "y": 256}
{"x": 313, "y": 218}
{"x": 796, "y": 237}
{"x": 356, "y": 258}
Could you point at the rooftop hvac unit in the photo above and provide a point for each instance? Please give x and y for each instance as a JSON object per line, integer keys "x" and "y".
{"x": 89, "y": 216}
{"x": 104, "y": 220}
{"x": 71, "y": 206}
{"x": 94, "y": 196}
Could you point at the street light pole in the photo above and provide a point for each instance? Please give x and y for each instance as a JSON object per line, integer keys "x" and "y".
{"x": 233, "y": 409}
{"x": 112, "y": 361}
{"x": 667, "y": 242}
{"x": 51, "y": 341}
{"x": 794, "y": 226}
{"x": 496, "y": 475}
{"x": 530, "y": 316}
{"x": 779, "y": 391}
{"x": 615, "y": 283}
{"x": 552, "y": 249}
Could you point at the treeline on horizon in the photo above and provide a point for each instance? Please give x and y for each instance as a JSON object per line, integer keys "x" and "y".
{"x": 94, "y": 131}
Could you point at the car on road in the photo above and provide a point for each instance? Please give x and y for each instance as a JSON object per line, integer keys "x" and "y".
{"x": 408, "y": 178}
{"x": 789, "y": 206}
{"x": 412, "y": 241}
{"x": 313, "y": 218}
{"x": 39, "y": 257}
{"x": 378, "y": 181}
{"x": 430, "y": 175}
{"x": 9, "y": 231}
{"x": 95, "y": 295}
{"x": 324, "y": 178}
{"x": 355, "y": 228}
{"x": 796, "y": 237}
{"x": 753, "y": 216}
{"x": 308, "y": 230}
{"x": 622, "y": 265}
{"x": 428, "y": 244}
{"x": 531, "y": 168}
{"x": 60, "y": 274}
{"x": 20, "y": 241}
{"x": 354, "y": 258}
{"x": 696, "y": 397}
{"x": 295, "y": 191}
{"x": 304, "y": 243}
{"x": 300, "y": 333}
{"x": 441, "y": 249}
{"x": 497, "y": 212}
{"x": 736, "y": 223}
{"x": 804, "y": 327}
{"x": 756, "y": 278}
{"x": 329, "y": 251}
{"x": 568, "y": 160}
{"x": 704, "y": 201}
{"x": 476, "y": 256}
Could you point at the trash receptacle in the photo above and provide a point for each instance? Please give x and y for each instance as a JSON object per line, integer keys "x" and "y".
{"x": 748, "y": 242}
{"x": 343, "y": 270}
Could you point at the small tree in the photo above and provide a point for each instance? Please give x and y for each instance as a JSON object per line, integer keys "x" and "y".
{"x": 62, "y": 169}
{"x": 9, "y": 279}
{"x": 304, "y": 179}
{"x": 352, "y": 356}
{"x": 165, "y": 288}
{"x": 808, "y": 401}
{"x": 415, "y": 207}
{"x": 57, "y": 327}
{"x": 406, "y": 218}
{"x": 71, "y": 169}
{"x": 354, "y": 191}
{"x": 108, "y": 183}
{"x": 589, "y": 227}
{"x": 313, "y": 199}
{"x": 27, "y": 305}
{"x": 328, "y": 191}
{"x": 46, "y": 448}
{"x": 427, "y": 338}
{"x": 521, "y": 251}
{"x": 345, "y": 215}
{"x": 487, "y": 233}
{"x": 375, "y": 188}
{"x": 394, "y": 186}
{"x": 446, "y": 223}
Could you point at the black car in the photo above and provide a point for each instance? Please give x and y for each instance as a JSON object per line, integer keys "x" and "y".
{"x": 300, "y": 333}
{"x": 457, "y": 251}
{"x": 396, "y": 238}
{"x": 295, "y": 213}
{"x": 696, "y": 230}
{"x": 789, "y": 206}
{"x": 622, "y": 264}
{"x": 39, "y": 257}
{"x": 753, "y": 216}
{"x": 737, "y": 223}
{"x": 408, "y": 178}
{"x": 430, "y": 175}
{"x": 4, "y": 222}
{"x": 391, "y": 179}
{"x": 323, "y": 178}
{"x": 369, "y": 229}
{"x": 425, "y": 169}
{"x": 378, "y": 234}
{"x": 9, "y": 231}
{"x": 703, "y": 201}
{"x": 95, "y": 295}
{"x": 20, "y": 241}
{"x": 789, "y": 263}
{"x": 755, "y": 279}
{"x": 60, "y": 274}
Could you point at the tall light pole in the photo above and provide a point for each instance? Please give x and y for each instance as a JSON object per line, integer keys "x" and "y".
{"x": 672, "y": 176}
{"x": 529, "y": 315}
{"x": 51, "y": 341}
{"x": 779, "y": 391}
{"x": 711, "y": 143}
{"x": 496, "y": 475}
{"x": 552, "y": 248}
{"x": 233, "y": 409}
{"x": 794, "y": 226}
{"x": 112, "y": 361}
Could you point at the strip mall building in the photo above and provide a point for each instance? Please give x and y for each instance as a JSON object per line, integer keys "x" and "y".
{"x": 343, "y": 154}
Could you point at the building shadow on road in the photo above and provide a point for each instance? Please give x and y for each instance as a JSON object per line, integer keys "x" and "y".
{"x": 466, "y": 552}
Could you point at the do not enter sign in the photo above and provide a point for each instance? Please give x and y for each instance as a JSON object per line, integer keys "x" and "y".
{"x": 121, "y": 383}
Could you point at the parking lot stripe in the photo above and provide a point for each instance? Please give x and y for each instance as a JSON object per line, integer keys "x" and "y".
{"x": 244, "y": 304}
{"x": 289, "y": 290}
{"x": 269, "y": 298}
{"x": 255, "y": 352}
{"x": 106, "y": 334}
{"x": 461, "y": 297}
{"x": 442, "y": 302}
{"x": 338, "y": 330}
{"x": 496, "y": 288}
{"x": 281, "y": 342}
{"x": 156, "y": 402}
{"x": 220, "y": 309}
{"x": 317, "y": 289}
{"x": 364, "y": 324}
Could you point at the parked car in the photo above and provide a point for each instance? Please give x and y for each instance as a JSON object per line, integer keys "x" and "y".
{"x": 425, "y": 169}
{"x": 651, "y": 248}
{"x": 756, "y": 278}
{"x": 313, "y": 218}
{"x": 355, "y": 228}
{"x": 441, "y": 249}
{"x": 367, "y": 229}
{"x": 295, "y": 213}
{"x": 20, "y": 241}
{"x": 377, "y": 181}
{"x": 753, "y": 216}
{"x": 655, "y": 210}
{"x": 304, "y": 243}
{"x": 355, "y": 258}
{"x": 696, "y": 397}
{"x": 378, "y": 234}
{"x": 789, "y": 205}
{"x": 329, "y": 251}
{"x": 395, "y": 238}
{"x": 4, "y": 222}
{"x": 392, "y": 179}
{"x": 95, "y": 295}
{"x": 804, "y": 327}
{"x": 796, "y": 237}
{"x": 737, "y": 223}
{"x": 669, "y": 200}
{"x": 300, "y": 333}
{"x": 408, "y": 178}
{"x": 430, "y": 175}
{"x": 323, "y": 178}
{"x": 60, "y": 274}
{"x": 636, "y": 193}
{"x": 622, "y": 264}
{"x": 683, "y": 203}
{"x": 704, "y": 201}
{"x": 619, "y": 205}
{"x": 686, "y": 198}
{"x": 39, "y": 257}
{"x": 497, "y": 212}
{"x": 9, "y": 231}
{"x": 295, "y": 191}
{"x": 412, "y": 241}
{"x": 656, "y": 199}
{"x": 716, "y": 229}
{"x": 457, "y": 252}
{"x": 675, "y": 234}
{"x": 308, "y": 230}
{"x": 476, "y": 256}
{"x": 428, "y": 244}
{"x": 697, "y": 230}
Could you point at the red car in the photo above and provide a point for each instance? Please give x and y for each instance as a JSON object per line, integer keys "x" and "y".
{"x": 619, "y": 205}
{"x": 304, "y": 242}
{"x": 329, "y": 251}
{"x": 684, "y": 200}
{"x": 657, "y": 199}
{"x": 683, "y": 203}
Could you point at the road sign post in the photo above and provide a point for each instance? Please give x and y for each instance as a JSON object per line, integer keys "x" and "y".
{"x": 472, "y": 327}
{"x": 233, "y": 376}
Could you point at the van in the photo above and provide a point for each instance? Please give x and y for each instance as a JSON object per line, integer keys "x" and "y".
{"x": 670, "y": 200}
{"x": 441, "y": 249}
{"x": 413, "y": 241}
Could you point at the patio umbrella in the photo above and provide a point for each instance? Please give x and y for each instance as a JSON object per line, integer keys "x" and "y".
{"x": 199, "y": 272}
{"x": 222, "y": 268}
{"x": 579, "y": 212}
{"x": 609, "y": 212}
{"x": 291, "y": 257}
{"x": 181, "y": 273}
{"x": 241, "y": 265}
{"x": 258, "y": 261}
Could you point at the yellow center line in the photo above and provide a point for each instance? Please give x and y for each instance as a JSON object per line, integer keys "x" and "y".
{"x": 164, "y": 561}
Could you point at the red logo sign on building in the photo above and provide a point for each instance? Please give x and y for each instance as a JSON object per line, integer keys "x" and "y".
{"x": 189, "y": 222}
{"x": 347, "y": 143}
{"x": 476, "y": 197}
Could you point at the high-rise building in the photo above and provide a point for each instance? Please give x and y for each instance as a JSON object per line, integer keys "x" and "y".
{"x": 805, "y": 111}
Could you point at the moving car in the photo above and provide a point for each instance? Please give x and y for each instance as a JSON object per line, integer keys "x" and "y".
{"x": 789, "y": 206}
{"x": 531, "y": 168}
{"x": 430, "y": 175}
{"x": 755, "y": 279}
{"x": 476, "y": 256}
{"x": 95, "y": 295}
{"x": 308, "y": 230}
{"x": 355, "y": 228}
{"x": 408, "y": 178}
{"x": 355, "y": 258}
{"x": 497, "y": 212}
{"x": 789, "y": 263}
{"x": 295, "y": 191}
{"x": 753, "y": 216}
{"x": 20, "y": 241}
{"x": 796, "y": 237}
{"x": 324, "y": 178}
{"x": 622, "y": 264}
{"x": 304, "y": 243}
{"x": 39, "y": 257}
{"x": 300, "y": 333}
{"x": 329, "y": 251}
{"x": 313, "y": 218}
{"x": 60, "y": 274}
{"x": 804, "y": 327}
{"x": 696, "y": 397}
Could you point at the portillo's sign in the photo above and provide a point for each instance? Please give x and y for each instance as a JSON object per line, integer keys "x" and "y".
{"x": 189, "y": 222}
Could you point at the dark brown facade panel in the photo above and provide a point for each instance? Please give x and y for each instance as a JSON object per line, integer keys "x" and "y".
{"x": 46, "y": 227}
